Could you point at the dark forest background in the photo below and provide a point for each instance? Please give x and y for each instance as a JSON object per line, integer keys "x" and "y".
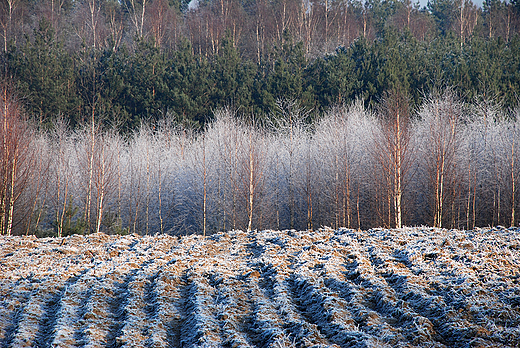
{"x": 174, "y": 117}
{"x": 129, "y": 61}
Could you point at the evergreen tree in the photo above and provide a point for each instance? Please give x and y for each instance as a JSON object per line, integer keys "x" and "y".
{"x": 187, "y": 78}
{"x": 45, "y": 77}
{"x": 333, "y": 78}
{"x": 146, "y": 92}
{"x": 445, "y": 14}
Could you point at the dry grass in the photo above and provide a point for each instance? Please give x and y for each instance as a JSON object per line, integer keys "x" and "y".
{"x": 417, "y": 287}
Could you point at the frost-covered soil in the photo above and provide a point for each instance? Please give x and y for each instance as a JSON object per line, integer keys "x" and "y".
{"x": 377, "y": 288}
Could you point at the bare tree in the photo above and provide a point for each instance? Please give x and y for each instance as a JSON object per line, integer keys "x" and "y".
{"x": 162, "y": 23}
{"x": 223, "y": 132}
{"x": 89, "y": 23}
{"x": 16, "y": 157}
{"x": 441, "y": 123}
{"x": 507, "y": 136}
{"x": 348, "y": 23}
{"x": 230, "y": 131}
{"x": 138, "y": 179}
{"x": 94, "y": 11}
{"x": 204, "y": 186}
{"x": 467, "y": 19}
{"x": 290, "y": 124}
{"x": 9, "y": 14}
{"x": 137, "y": 12}
{"x": 62, "y": 172}
{"x": 251, "y": 170}
{"x": 97, "y": 153}
{"x": 104, "y": 172}
{"x": 115, "y": 23}
{"x": 343, "y": 160}
{"x": 170, "y": 159}
{"x": 477, "y": 157}
{"x": 472, "y": 152}
{"x": 331, "y": 132}
{"x": 497, "y": 18}
{"x": 409, "y": 15}
{"x": 37, "y": 193}
{"x": 393, "y": 150}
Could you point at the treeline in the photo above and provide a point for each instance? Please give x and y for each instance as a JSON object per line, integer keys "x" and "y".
{"x": 447, "y": 164}
{"x": 133, "y": 61}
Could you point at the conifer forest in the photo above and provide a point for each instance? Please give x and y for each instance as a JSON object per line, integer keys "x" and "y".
{"x": 194, "y": 117}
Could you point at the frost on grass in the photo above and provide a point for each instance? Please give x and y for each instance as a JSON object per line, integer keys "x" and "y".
{"x": 413, "y": 287}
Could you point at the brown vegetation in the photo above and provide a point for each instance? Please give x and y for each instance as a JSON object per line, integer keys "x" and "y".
{"x": 338, "y": 288}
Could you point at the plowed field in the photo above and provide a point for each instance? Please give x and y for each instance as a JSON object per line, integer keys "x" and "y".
{"x": 344, "y": 288}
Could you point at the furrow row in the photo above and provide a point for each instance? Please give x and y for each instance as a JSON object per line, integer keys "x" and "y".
{"x": 278, "y": 286}
{"x": 378, "y": 288}
{"x": 199, "y": 326}
{"x": 38, "y": 315}
{"x": 266, "y": 325}
{"x": 13, "y": 301}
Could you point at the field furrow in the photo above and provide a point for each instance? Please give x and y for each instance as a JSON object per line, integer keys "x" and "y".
{"x": 38, "y": 315}
{"x": 137, "y": 323}
{"x": 414, "y": 287}
{"x": 73, "y": 298}
{"x": 200, "y": 324}
{"x": 265, "y": 323}
{"x": 14, "y": 302}
{"x": 169, "y": 306}
{"x": 231, "y": 310}
{"x": 278, "y": 287}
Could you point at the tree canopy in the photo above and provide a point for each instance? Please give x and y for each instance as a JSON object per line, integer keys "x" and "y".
{"x": 134, "y": 61}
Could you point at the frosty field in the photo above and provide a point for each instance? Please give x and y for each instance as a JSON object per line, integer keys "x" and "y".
{"x": 416, "y": 287}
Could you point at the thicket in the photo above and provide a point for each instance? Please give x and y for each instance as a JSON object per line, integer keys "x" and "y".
{"x": 446, "y": 164}
{"x": 131, "y": 61}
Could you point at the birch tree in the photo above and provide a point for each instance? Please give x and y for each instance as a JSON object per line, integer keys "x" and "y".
{"x": 393, "y": 151}
{"x": 137, "y": 12}
{"x": 440, "y": 120}
{"x": 9, "y": 16}
{"x": 62, "y": 175}
{"x": 16, "y": 158}
{"x": 251, "y": 171}
{"x": 104, "y": 173}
